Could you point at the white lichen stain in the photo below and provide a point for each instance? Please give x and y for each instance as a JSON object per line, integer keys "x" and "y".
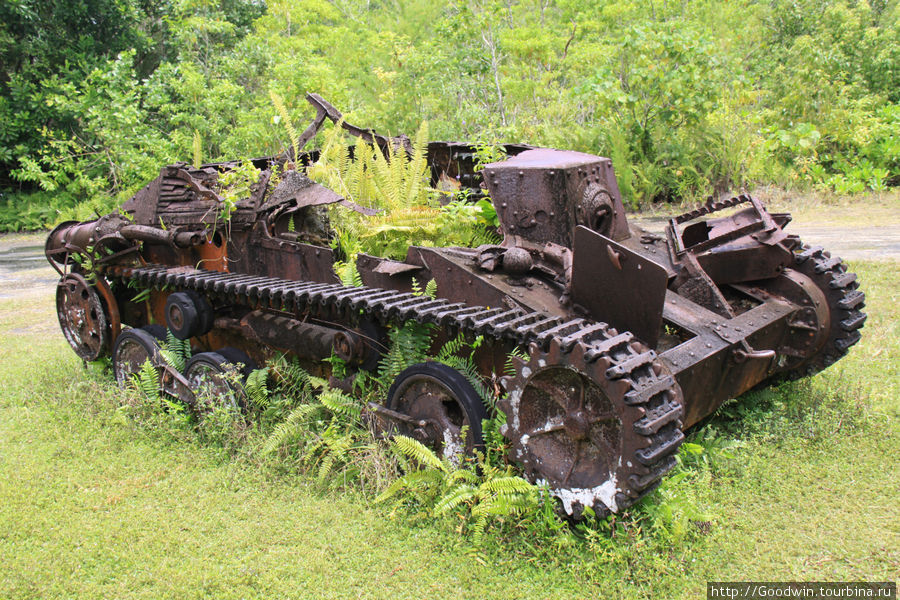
{"x": 542, "y": 363}
{"x": 515, "y": 397}
{"x": 453, "y": 448}
{"x": 605, "y": 493}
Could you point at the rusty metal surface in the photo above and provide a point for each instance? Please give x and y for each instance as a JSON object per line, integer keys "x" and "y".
{"x": 599, "y": 424}
{"x": 541, "y": 195}
{"x": 728, "y": 302}
{"x": 82, "y": 317}
{"x": 609, "y": 279}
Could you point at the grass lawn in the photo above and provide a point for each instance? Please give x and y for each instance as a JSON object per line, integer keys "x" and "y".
{"x": 94, "y": 505}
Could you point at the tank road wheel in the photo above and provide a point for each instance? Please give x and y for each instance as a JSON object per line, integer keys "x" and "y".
{"x": 82, "y": 317}
{"x": 443, "y": 402}
{"x": 132, "y": 349}
{"x": 188, "y": 314}
{"x": 599, "y": 424}
{"x": 844, "y": 303}
{"x": 217, "y": 378}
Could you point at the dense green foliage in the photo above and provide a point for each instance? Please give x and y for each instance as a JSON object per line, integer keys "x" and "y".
{"x": 688, "y": 98}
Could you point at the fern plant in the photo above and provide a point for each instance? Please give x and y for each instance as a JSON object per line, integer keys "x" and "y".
{"x": 146, "y": 381}
{"x": 430, "y": 289}
{"x": 176, "y": 352}
{"x": 481, "y": 494}
{"x": 285, "y": 116}
{"x": 396, "y": 184}
{"x": 409, "y": 345}
{"x": 197, "y": 148}
{"x": 234, "y": 185}
{"x": 325, "y": 432}
{"x": 256, "y": 388}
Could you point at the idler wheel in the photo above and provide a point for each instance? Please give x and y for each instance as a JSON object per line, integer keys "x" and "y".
{"x": 439, "y": 402}
{"x": 217, "y": 378}
{"x": 132, "y": 349}
{"x": 188, "y": 314}
{"x": 82, "y": 317}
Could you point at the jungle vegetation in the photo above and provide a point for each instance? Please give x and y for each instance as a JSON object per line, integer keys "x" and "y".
{"x": 688, "y": 98}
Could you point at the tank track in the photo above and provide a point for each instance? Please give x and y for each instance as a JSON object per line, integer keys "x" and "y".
{"x": 845, "y": 301}
{"x": 647, "y": 389}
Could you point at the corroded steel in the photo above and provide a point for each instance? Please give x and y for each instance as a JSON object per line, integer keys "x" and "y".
{"x": 630, "y": 337}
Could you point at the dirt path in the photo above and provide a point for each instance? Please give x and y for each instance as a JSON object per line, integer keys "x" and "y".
{"x": 24, "y": 272}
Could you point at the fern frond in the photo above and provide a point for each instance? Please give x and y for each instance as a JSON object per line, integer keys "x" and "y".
{"x": 414, "y": 480}
{"x": 431, "y": 288}
{"x": 509, "y": 368}
{"x": 348, "y": 273}
{"x": 409, "y": 345}
{"x": 316, "y": 382}
{"x": 452, "y": 347}
{"x": 288, "y": 124}
{"x": 462, "y": 476}
{"x": 197, "y": 148}
{"x": 470, "y": 372}
{"x": 257, "y": 388}
{"x": 290, "y": 428}
{"x": 419, "y": 452}
{"x": 506, "y": 486}
{"x": 340, "y": 403}
{"x": 176, "y": 352}
{"x": 418, "y": 163}
{"x": 457, "y": 495}
{"x": 146, "y": 381}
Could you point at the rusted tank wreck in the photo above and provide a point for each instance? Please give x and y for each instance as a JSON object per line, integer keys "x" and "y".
{"x": 631, "y": 337}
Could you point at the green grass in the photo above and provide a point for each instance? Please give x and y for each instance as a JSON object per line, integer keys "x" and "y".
{"x": 95, "y": 504}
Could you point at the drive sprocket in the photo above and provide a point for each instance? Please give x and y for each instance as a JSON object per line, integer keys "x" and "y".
{"x": 845, "y": 303}
{"x": 599, "y": 423}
